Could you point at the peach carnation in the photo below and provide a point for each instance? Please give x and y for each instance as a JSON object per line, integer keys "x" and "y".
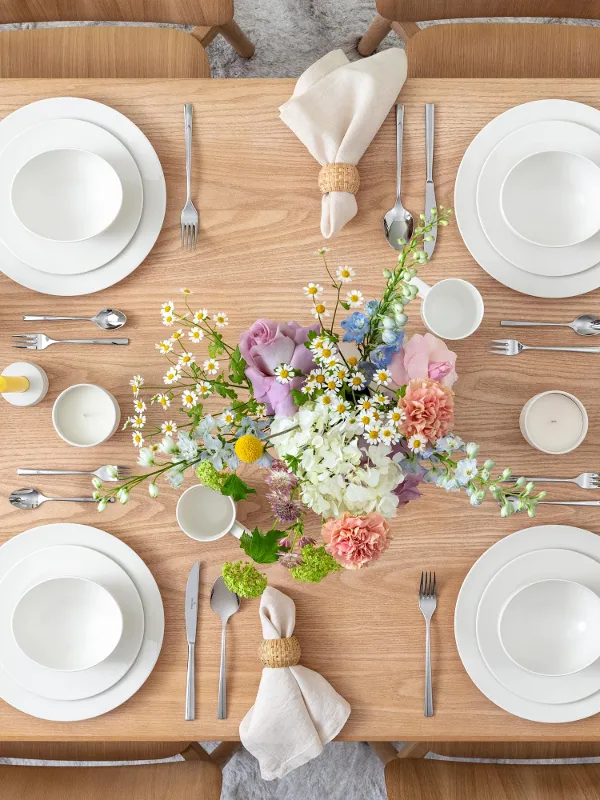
{"x": 429, "y": 409}
{"x": 355, "y": 541}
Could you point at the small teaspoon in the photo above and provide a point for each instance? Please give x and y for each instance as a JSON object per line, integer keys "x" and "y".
{"x": 109, "y": 319}
{"x": 584, "y": 325}
{"x": 28, "y": 499}
{"x": 398, "y": 223}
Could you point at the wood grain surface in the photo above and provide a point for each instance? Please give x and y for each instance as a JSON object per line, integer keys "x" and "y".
{"x": 256, "y": 190}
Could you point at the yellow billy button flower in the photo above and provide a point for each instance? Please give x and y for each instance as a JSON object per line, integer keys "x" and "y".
{"x": 248, "y": 448}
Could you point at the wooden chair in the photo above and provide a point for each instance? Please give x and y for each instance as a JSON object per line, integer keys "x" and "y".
{"x": 409, "y": 775}
{"x": 111, "y": 51}
{"x": 491, "y": 50}
{"x": 198, "y": 778}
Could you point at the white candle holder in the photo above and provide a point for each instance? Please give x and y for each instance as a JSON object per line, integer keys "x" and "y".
{"x": 38, "y": 384}
{"x": 538, "y": 430}
{"x": 81, "y": 401}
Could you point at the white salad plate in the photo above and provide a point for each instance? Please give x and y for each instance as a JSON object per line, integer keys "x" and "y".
{"x": 465, "y": 199}
{"x": 60, "y": 534}
{"x": 154, "y": 192}
{"x": 540, "y": 565}
{"x": 536, "y": 539}
{"x": 536, "y": 138}
{"x": 62, "y": 562}
{"x": 68, "y": 258}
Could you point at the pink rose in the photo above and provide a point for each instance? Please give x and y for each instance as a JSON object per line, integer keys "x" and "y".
{"x": 355, "y": 541}
{"x": 429, "y": 409}
{"x": 265, "y": 346}
{"x": 424, "y": 357}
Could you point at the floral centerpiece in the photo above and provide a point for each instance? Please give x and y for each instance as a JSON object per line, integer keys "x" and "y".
{"x": 347, "y": 422}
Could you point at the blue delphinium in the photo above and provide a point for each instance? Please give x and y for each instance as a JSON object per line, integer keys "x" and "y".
{"x": 356, "y": 327}
{"x": 466, "y": 470}
{"x": 371, "y": 307}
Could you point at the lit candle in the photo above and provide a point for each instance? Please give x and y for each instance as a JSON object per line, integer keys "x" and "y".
{"x": 85, "y": 415}
{"x": 554, "y": 422}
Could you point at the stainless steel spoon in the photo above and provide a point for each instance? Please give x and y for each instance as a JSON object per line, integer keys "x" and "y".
{"x": 398, "y": 222}
{"x": 224, "y": 603}
{"x": 31, "y": 498}
{"x": 584, "y": 325}
{"x": 109, "y": 319}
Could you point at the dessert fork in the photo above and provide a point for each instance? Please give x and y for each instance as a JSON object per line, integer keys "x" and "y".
{"x": 511, "y": 347}
{"x": 428, "y": 604}
{"x": 101, "y": 472}
{"x": 587, "y": 480}
{"x": 189, "y": 215}
{"x": 39, "y": 341}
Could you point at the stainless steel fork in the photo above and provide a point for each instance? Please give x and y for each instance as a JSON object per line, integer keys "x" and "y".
{"x": 189, "y": 215}
{"x": 587, "y": 480}
{"x": 428, "y": 604}
{"x": 512, "y": 347}
{"x": 101, "y": 472}
{"x": 39, "y": 341}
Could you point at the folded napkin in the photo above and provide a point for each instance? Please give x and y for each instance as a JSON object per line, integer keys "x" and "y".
{"x": 336, "y": 110}
{"x": 296, "y": 710}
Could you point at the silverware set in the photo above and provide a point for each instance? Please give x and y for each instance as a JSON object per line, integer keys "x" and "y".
{"x": 428, "y": 604}
{"x": 28, "y": 499}
{"x": 583, "y": 325}
{"x": 189, "y": 215}
{"x": 108, "y": 319}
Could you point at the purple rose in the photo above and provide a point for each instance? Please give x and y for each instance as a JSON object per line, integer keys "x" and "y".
{"x": 407, "y": 490}
{"x": 267, "y": 345}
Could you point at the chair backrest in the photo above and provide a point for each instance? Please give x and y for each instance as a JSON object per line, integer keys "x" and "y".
{"x": 180, "y": 12}
{"x": 91, "y": 751}
{"x": 423, "y": 10}
{"x": 516, "y": 750}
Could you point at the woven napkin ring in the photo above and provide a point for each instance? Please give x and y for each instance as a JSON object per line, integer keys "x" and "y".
{"x": 339, "y": 178}
{"x": 279, "y": 652}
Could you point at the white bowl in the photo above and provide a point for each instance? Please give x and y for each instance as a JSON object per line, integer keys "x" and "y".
{"x": 66, "y": 195}
{"x": 551, "y": 627}
{"x": 67, "y": 624}
{"x": 552, "y": 198}
{"x": 85, "y": 415}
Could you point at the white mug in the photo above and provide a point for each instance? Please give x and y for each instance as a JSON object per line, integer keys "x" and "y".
{"x": 206, "y": 515}
{"x": 451, "y": 309}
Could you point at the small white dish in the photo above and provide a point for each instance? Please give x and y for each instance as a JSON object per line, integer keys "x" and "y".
{"x": 85, "y": 415}
{"x": 67, "y": 624}
{"x": 552, "y": 198}
{"x": 554, "y": 422}
{"x": 552, "y": 627}
{"x": 66, "y": 195}
{"x": 206, "y": 515}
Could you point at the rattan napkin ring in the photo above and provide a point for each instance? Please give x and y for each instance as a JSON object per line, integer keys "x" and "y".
{"x": 339, "y": 178}
{"x": 276, "y": 653}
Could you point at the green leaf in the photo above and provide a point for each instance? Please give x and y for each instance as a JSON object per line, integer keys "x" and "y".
{"x": 400, "y": 392}
{"x": 298, "y": 397}
{"x": 312, "y": 335}
{"x": 215, "y": 348}
{"x": 345, "y": 306}
{"x": 237, "y": 366}
{"x": 235, "y": 488}
{"x": 262, "y": 547}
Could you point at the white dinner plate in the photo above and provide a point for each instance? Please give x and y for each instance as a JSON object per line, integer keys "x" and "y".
{"x": 536, "y": 138}
{"x": 465, "y": 199}
{"x": 542, "y": 537}
{"x": 63, "y": 562}
{"x": 21, "y": 546}
{"x": 154, "y": 191}
{"x": 538, "y": 566}
{"x": 68, "y": 258}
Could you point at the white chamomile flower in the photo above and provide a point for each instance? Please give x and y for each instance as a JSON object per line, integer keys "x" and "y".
{"x": 352, "y": 361}
{"x": 357, "y": 380}
{"x": 138, "y": 439}
{"x": 136, "y": 384}
{"x": 227, "y": 417}
{"x": 167, "y": 308}
{"x": 196, "y": 335}
{"x": 261, "y": 410}
{"x": 313, "y": 290}
{"x": 332, "y": 383}
{"x": 340, "y": 371}
{"x": 341, "y": 408}
{"x": 201, "y": 315}
{"x": 327, "y": 351}
{"x": 309, "y": 386}
{"x": 204, "y": 389}
{"x": 321, "y": 251}
{"x": 376, "y": 415}
{"x": 365, "y": 418}
{"x": 221, "y": 319}
{"x": 189, "y": 399}
{"x": 185, "y": 359}
{"x": 388, "y": 434}
{"x": 355, "y": 298}
{"x": 154, "y": 447}
{"x": 381, "y": 399}
{"x": 139, "y": 406}
{"x": 365, "y": 403}
{"x": 318, "y": 343}
{"x": 163, "y": 399}
{"x": 328, "y": 400}
{"x": 383, "y": 376}
{"x": 330, "y": 363}
{"x": 211, "y": 366}
{"x": 165, "y": 346}
{"x": 168, "y": 320}
{"x": 169, "y": 428}
{"x": 417, "y": 444}
{"x": 183, "y": 290}
{"x": 319, "y": 378}
{"x": 284, "y": 373}
{"x": 396, "y": 416}
{"x": 371, "y": 433}
{"x": 172, "y": 375}
{"x": 320, "y": 309}
{"x": 345, "y": 274}
{"x": 138, "y": 421}
{"x": 176, "y": 335}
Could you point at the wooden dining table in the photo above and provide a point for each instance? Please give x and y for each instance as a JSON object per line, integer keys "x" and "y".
{"x": 255, "y": 186}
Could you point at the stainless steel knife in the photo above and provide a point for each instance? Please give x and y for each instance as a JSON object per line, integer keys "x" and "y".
{"x": 429, "y": 187}
{"x": 191, "y": 622}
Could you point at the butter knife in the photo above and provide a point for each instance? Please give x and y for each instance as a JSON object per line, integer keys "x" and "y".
{"x": 191, "y": 621}
{"x": 569, "y": 502}
{"x": 429, "y": 187}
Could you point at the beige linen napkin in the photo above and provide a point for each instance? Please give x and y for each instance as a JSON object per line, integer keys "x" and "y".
{"x": 336, "y": 110}
{"x": 296, "y": 711}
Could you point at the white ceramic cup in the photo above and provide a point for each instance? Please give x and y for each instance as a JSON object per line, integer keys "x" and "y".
{"x": 554, "y": 422}
{"x": 206, "y": 515}
{"x": 451, "y": 309}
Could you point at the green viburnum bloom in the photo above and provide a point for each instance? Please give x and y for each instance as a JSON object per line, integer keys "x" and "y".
{"x": 317, "y": 565}
{"x": 244, "y": 579}
{"x": 211, "y": 477}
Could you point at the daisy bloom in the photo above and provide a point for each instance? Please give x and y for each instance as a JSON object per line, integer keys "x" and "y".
{"x": 136, "y": 383}
{"x": 357, "y": 380}
{"x": 204, "y": 389}
{"x": 381, "y": 399}
{"x": 341, "y": 407}
{"x": 318, "y": 343}
{"x": 319, "y": 377}
{"x": 168, "y": 428}
{"x": 138, "y": 421}
{"x": 330, "y": 363}
{"x": 327, "y": 351}
{"x": 320, "y": 309}
{"x": 183, "y": 290}
{"x": 167, "y": 308}
{"x": 388, "y": 435}
{"x": 196, "y": 335}
{"x": 365, "y": 403}
{"x": 345, "y": 274}
{"x": 227, "y": 417}
{"x": 371, "y": 433}
{"x": 352, "y": 361}
{"x": 138, "y": 439}
{"x": 365, "y": 418}
{"x": 163, "y": 399}
{"x": 221, "y": 319}
{"x": 313, "y": 290}
{"x": 172, "y": 375}
{"x": 200, "y": 316}
{"x": 284, "y": 373}
{"x": 139, "y": 406}
{"x": 340, "y": 372}
{"x": 417, "y": 443}
{"x": 189, "y": 399}
{"x": 328, "y": 400}
{"x": 332, "y": 383}
{"x": 355, "y": 298}
{"x": 309, "y": 386}
{"x": 165, "y": 346}
{"x": 211, "y": 365}
{"x": 185, "y": 359}
{"x": 154, "y": 447}
{"x": 396, "y": 416}
{"x": 178, "y": 334}
{"x": 383, "y": 376}
{"x": 261, "y": 410}
{"x": 376, "y": 415}
{"x": 168, "y": 320}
